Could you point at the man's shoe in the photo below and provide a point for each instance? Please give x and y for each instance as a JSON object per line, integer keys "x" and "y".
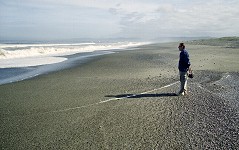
{"x": 185, "y": 92}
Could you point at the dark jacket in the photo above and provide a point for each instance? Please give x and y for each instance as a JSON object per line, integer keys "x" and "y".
{"x": 184, "y": 62}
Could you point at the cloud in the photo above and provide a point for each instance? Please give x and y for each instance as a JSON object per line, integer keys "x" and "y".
{"x": 120, "y": 18}
{"x": 196, "y": 19}
{"x": 166, "y": 8}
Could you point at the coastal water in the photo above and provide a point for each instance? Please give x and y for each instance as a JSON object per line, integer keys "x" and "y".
{"x": 23, "y": 61}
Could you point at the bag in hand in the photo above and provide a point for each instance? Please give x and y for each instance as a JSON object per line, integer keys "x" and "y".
{"x": 190, "y": 73}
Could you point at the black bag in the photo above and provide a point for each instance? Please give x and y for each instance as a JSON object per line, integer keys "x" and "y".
{"x": 190, "y": 73}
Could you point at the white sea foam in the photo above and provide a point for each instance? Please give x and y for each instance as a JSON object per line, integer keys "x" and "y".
{"x": 23, "y": 55}
{"x": 29, "y": 61}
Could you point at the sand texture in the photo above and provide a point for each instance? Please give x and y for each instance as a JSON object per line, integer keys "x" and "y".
{"x": 126, "y": 100}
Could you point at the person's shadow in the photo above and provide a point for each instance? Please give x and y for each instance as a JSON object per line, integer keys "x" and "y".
{"x": 141, "y": 95}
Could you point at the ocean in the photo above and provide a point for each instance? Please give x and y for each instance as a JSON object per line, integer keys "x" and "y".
{"x": 23, "y": 61}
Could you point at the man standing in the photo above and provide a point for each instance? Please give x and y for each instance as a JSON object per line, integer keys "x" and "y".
{"x": 183, "y": 67}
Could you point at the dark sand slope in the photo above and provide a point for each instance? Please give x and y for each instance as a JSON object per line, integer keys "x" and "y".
{"x": 126, "y": 101}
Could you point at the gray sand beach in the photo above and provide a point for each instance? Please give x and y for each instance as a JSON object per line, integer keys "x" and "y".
{"x": 126, "y": 100}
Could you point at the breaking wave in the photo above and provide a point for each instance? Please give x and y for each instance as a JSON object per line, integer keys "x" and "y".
{"x": 22, "y": 55}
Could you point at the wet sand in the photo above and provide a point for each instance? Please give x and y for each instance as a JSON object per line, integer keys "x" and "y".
{"x": 126, "y": 100}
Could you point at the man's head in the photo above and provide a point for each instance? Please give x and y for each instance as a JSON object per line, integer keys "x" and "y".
{"x": 181, "y": 46}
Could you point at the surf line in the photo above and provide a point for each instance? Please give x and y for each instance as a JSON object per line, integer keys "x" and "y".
{"x": 220, "y": 96}
{"x": 130, "y": 96}
{"x": 112, "y": 99}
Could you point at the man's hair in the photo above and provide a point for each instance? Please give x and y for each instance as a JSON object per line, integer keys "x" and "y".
{"x": 182, "y": 45}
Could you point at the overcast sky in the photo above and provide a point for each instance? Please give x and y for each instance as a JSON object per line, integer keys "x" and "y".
{"x": 66, "y": 19}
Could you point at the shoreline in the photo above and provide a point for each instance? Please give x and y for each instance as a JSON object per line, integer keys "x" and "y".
{"x": 23, "y": 73}
{"x": 16, "y": 74}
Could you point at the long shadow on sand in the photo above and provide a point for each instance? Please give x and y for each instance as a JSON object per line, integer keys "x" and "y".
{"x": 141, "y": 95}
